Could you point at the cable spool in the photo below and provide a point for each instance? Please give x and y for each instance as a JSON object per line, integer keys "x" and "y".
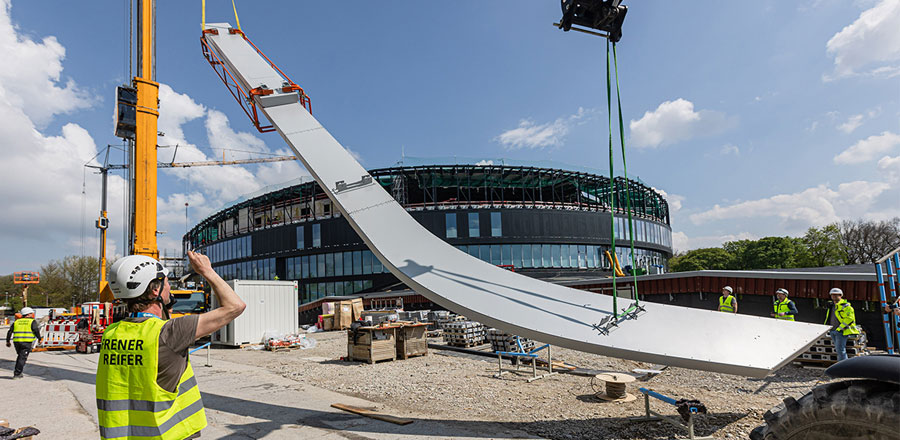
{"x": 615, "y": 387}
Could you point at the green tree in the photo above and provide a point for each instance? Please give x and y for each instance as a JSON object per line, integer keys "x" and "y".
{"x": 823, "y": 247}
{"x": 765, "y": 253}
{"x": 701, "y": 259}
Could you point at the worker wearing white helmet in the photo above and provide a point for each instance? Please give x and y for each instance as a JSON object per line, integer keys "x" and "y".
{"x": 145, "y": 384}
{"x": 23, "y": 333}
{"x": 727, "y": 302}
{"x": 785, "y": 309}
{"x": 842, "y": 320}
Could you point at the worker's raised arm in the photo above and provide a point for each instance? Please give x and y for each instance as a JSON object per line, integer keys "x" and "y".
{"x": 230, "y": 305}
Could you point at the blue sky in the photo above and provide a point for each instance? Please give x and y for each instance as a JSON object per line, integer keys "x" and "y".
{"x": 755, "y": 118}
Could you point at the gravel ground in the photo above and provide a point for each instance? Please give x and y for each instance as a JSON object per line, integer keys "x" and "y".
{"x": 456, "y": 387}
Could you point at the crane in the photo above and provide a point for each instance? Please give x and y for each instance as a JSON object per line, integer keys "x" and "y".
{"x": 102, "y": 222}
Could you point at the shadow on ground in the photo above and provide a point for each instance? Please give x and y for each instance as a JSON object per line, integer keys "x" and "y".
{"x": 274, "y": 417}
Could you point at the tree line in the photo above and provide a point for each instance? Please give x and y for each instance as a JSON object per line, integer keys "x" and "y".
{"x": 66, "y": 282}
{"x": 840, "y": 243}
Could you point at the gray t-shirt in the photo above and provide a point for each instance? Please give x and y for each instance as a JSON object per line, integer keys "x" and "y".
{"x": 175, "y": 339}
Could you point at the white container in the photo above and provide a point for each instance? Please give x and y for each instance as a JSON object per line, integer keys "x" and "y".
{"x": 271, "y": 308}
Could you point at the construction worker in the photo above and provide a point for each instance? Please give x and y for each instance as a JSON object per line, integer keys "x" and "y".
{"x": 145, "y": 384}
{"x": 727, "y": 302}
{"x": 784, "y": 308}
{"x": 842, "y": 320}
{"x": 23, "y": 332}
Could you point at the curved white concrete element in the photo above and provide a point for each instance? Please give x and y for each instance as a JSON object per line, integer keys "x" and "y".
{"x": 678, "y": 336}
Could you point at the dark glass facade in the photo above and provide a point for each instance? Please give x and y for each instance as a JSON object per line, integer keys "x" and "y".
{"x": 526, "y": 219}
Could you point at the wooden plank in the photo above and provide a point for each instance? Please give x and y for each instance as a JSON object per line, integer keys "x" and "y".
{"x": 372, "y": 414}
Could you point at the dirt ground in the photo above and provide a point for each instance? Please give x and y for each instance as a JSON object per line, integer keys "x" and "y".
{"x": 460, "y": 387}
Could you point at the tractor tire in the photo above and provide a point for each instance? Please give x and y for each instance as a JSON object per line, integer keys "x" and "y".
{"x": 846, "y": 410}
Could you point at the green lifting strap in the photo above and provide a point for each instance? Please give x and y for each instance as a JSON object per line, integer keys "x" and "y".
{"x": 625, "y": 172}
{"x": 612, "y": 199}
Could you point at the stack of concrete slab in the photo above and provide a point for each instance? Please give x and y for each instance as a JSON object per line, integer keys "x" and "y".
{"x": 823, "y": 353}
{"x": 464, "y": 333}
{"x": 501, "y": 341}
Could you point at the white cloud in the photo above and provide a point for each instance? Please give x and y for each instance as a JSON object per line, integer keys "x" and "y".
{"x": 890, "y": 166}
{"x": 536, "y": 136}
{"x": 676, "y": 121}
{"x": 730, "y": 149}
{"x": 869, "y": 148}
{"x": 852, "y": 123}
{"x": 674, "y": 200}
{"x": 870, "y": 45}
{"x": 46, "y": 191}
{"x": 484, "y": 162}
{"x": 30, "y": 79}
{"x": 815, "y": 206}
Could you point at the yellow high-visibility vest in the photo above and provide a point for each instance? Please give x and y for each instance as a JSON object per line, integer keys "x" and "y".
{"x": 782, "y": 307}
{"x": 726, "y": 303}
{"x": 22, "y": 330}
{"x": 845, "y": 316}
{"x": 130, "y": 403}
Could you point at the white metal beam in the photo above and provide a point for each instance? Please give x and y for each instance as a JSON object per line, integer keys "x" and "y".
{"x": 671, "y": 335}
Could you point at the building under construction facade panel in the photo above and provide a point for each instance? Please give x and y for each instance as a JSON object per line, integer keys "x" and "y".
{"x": 528, "y": 219}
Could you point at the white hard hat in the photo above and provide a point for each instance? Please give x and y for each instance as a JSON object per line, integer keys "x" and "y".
{"x": 782, "y": 291}
{"x": 728, "y": 288}
{"x": 26, "y": 311}
{"x": 129, "y": 276}
{"x": 836, "y": 291}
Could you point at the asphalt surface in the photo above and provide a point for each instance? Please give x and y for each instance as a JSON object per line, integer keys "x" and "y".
{"x": 242, "y": 402}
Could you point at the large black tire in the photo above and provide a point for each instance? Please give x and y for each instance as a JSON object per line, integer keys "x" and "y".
{"x": 847, "y": 410}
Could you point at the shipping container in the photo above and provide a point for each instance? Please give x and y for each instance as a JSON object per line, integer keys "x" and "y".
{"x": 271, "y": 308}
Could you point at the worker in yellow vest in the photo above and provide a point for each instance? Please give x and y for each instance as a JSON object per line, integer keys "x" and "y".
{"x": 23, "y": 333}
{"x": 727, "y": 302}
{"x": 145, "y": 384}
{"x": 842, "y": 320}
{"x": 785, "y": 309}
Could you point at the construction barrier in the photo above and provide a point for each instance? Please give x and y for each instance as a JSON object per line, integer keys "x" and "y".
{"x": 60, "y": 333}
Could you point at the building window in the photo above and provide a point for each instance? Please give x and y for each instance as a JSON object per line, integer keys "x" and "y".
{"x": 329, "y": 265}
{"x": 317, "y": 235}
{"x": 496, "y": 229}
{"x": 357, "y": 262}
{"x": 300, "y": 243}
{"x": 474, "y": 230}
{"x": 348, "y": 265}
{"x": 367, "y": 262}
{"x": 377, "y": 267}
{"x": 451, "y": 225}
{"x": 320, "y": 263}
{"x": 495, "y": 254}
{"x": 526, "y": 255}
{"x": 339, "y": 265}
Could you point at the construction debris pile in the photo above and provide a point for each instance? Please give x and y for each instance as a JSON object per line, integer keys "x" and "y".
{"x": 24, "y": 433}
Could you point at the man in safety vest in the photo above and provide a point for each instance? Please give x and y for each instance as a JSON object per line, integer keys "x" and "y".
{"x": 23, "y": 332}
{"x": 843, "y": 322}
{"x": 784, "y": 308}
{"x": 145, "y": 384}
{"x": 727, "y": 302}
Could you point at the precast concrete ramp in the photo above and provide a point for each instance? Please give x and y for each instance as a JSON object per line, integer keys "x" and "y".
{"x": 671, "y": 335}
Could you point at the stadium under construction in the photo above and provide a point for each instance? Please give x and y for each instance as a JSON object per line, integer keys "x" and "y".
{"x": 530, "y": 219}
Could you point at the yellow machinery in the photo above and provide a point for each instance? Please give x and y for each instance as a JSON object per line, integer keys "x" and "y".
{"x": 189, "y": 302}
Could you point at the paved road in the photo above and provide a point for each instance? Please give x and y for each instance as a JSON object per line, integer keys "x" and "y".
{"x": 57, "y": 397}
